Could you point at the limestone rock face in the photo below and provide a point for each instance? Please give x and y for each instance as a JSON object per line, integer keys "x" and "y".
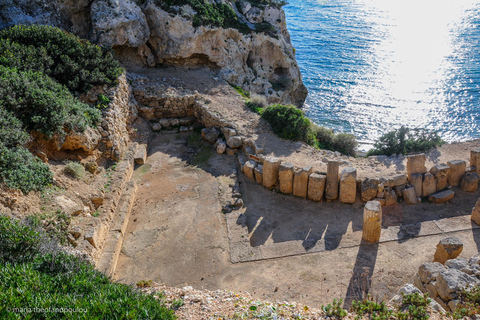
{"x": 87, "y": 140}
{"x": 118, "y": 23}
{"x": 256, "y": 61}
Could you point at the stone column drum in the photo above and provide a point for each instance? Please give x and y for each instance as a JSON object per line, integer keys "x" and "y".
{"x": 457, "y": 171}
{"x": 270, "y": 171}
{"x": 316, "y": 186}
{"x": 300, "y": 182}
{"x": 285, "y": 177}
{"x": 331, "y": 190}
{"x": 348, "y": 185}
{"x": 372, "y": 221}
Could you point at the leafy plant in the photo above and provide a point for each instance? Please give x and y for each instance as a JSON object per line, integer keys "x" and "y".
{"x": 74, "y": 169}
{"x": 335, "y": 309}
{"x": 376, "y": 311}
{"x": 19, "y": 169}
{"x": 288, "y": 122}
{"x": 18, "y": 242}
{"x": 257, "y": 103}
{"x": 12, "y": 133}
{"x": 102, "y": 101}
{"x": 241, "y": 92}
{"x": 71, "y": 61}
{"x": 469, "y": 304}
{"x": 405, "y": 140}
{"x": 414, "y": 306}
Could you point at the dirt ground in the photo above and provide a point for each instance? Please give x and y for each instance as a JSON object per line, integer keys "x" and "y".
{"x": 178, "y": 235}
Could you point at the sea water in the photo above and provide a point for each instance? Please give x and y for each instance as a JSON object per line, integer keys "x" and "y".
{"x": 373, "y": 65}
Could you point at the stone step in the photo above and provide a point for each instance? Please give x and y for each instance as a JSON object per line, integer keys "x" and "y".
{"x": 113, "y": 244}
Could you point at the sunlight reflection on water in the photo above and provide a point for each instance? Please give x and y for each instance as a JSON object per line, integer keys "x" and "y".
{"x": 374, "y": 65}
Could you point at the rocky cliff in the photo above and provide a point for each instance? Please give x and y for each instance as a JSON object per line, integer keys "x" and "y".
{"x": 257, "y": 55}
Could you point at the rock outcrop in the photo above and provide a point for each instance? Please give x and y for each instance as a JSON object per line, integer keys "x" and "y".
{"x": 259, "y": 58}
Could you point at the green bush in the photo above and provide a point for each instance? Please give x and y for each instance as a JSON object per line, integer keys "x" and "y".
{"x": 376, "y": 311}
{"x": 414, "y": 306}
{"x": 71, "y": 61}
{"x": 288, "y": 122}
{"x": 257, "y": 103}
{"x": 19, "y": 169}
{"x": 37, "y": 278}
{"x": 345, "y": 143}
{"x": 42, "y": 104}
{"x": 17, "y": 241}
{"x": 12, "y": 133}
{"x": 324, "y": 137}
{"x": 74, "y": 169}
{"x": 405, "y": 140}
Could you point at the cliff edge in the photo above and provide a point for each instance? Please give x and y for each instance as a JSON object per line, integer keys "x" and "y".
{"x": 246, "y": 42}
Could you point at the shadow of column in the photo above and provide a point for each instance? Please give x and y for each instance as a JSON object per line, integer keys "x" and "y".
{"x": 360, "y": 282}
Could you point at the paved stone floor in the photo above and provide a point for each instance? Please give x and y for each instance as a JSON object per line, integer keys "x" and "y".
{"x": 292, "y": 249}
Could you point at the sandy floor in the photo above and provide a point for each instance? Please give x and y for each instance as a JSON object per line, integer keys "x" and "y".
{"x": 178, "y": 235}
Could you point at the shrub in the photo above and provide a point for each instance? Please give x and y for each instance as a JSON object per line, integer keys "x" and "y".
{"x": 324, "y": 137}
{"x": 71, "y": 61}
{"x": 288, "y": 122}
{"x": 12, "y": 133}
{"x": 377, "y": 311}
{"x": 49, "y": 279}
{"x": 241, "y": 92}
{"x": 405, "y": 140}
{"x": 42, "y": 104}
{"x": 74, "y": 169}
{"x": 257, "y": 103}
{"x": 17, "y": 241}
{"x": 19, "y": 169}
{"x": 345, "y": 143}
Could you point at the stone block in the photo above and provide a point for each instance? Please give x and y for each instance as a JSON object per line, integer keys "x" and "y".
{"x": 285, "y": 177}
{"x": 399, "y": 190}
{"x": 270, "y": 171}
{"x": 416, "y": 164}
{"x": 442, "y": 196}
{"x": 390, "y": 198}
{"x": 429, "y": 271}
{"x": 259, "y": 174}
{"x": 316, "y": 186}
{"x": 228, "y": 132}
{"x": 372, "y": 221}
{"x": 475, "y": 159}
{"x": 448, "y": 248}
{"x": 441, "y": 172}
{"x": 348, "y": 185}
{"x": 469, "y": 182}
{"x": 141, "y": 154}
{"x": 409, "y": 196}
{"x": 234, "y": 142}
{"x": 429, "y": 185}
{"x": 331, "y": 189}
{"x": 416, "y": 181}
{"x": 369, "y": 189}
{"x": 475, "y": 217}
{"x": 399, "y": 179}
{"x": 300, "y": 182}
{"x": 457, "y": 171}
{"x": 249, "y": 168}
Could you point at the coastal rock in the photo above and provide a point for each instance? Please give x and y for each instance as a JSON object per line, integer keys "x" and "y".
{"x": 118, "y": 23}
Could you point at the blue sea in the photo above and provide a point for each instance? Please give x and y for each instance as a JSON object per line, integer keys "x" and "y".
{"x": 373, "y": 65}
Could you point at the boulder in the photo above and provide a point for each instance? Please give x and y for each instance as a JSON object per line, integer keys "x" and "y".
{"x": 441, "y": 172}
{"x": 451, "y": 281}
{"x": 448, "y": 248}
{"x": 118, "y": 23}
{"x": 300, "y": 182}
{"x": 331, "y": 190}
{"x": 416, "y": 164}
{"x": 458, "y": 263}
{"x": 442, "y": 196}
{"x": 409, "y": 196}
{"x": 86, "y": 140}
{"x": 469, "y": 182}
{"x": 348, "y": 185}
{"x": 372, "y": 221}
{"x": 285, "y": 177}
{"x": 234, "y": 142}
{"x": 316, "y": 186}
{"x": 270, "y": 171}
{"x": 416, "y": 181}
{"x": 369, "y": 189}
{"x": 457, "y": 171}
{"x": 428, "y": 271}
{"x": 429, "y": 185}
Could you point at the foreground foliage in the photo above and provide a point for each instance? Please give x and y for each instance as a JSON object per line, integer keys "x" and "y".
{"x": 405, "y": 140}
{"x": 39, "y": 281}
